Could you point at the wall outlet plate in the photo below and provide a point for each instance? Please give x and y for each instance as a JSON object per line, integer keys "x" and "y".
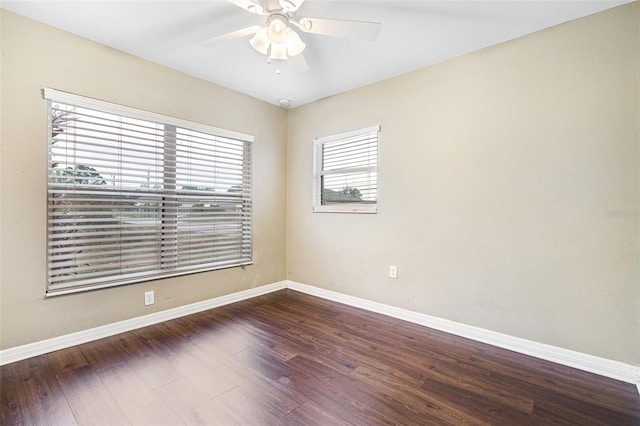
{"x": 149, "y": 298}
{"x": 393, "y": 271}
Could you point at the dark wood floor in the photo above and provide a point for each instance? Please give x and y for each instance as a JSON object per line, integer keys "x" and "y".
{"x": 289, "y": 358}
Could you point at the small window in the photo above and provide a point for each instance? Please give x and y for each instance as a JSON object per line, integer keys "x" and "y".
{"x": 345, "y": 172}
{"x": 134, "y": 196}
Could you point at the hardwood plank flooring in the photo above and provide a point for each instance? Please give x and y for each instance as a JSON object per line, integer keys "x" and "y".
{"x": 287, "y": 358}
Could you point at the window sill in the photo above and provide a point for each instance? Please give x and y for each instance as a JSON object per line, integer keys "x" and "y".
{"x": 347, "y": 208}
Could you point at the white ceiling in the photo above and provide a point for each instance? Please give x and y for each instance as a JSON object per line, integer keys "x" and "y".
{"x": 414, "y": 34}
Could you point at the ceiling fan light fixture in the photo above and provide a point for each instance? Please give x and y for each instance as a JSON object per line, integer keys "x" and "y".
{"x": 260, "y": 41}
{"x": 279, "y": 51}
{"x": 295, "y": 45}
{"x": 277, "y": 29}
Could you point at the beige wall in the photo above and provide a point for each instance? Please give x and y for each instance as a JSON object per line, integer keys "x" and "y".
{"x": 36, "y": 56}
{"x": 498, "y": 171}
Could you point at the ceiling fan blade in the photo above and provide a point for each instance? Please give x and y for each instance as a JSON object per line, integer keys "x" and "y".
{"x": 297, "y": 64}
{"x": 250, "y": 5}
{"x": 291, "y": 6}
{"x": 361, "y": 30}
{"x": 229, "y": 36}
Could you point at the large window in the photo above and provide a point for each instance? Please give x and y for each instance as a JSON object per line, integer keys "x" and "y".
{"x": 345, "y": 172}
{"x": 134, "y": 196}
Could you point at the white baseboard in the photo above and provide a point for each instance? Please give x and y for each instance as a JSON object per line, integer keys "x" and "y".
{"x": 19, "y": 353}
{"x": 601, "y": 366}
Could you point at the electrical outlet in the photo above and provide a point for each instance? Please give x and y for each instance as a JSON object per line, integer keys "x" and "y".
{"x": 393, "y": 271}
{"x": 149, "y": 298}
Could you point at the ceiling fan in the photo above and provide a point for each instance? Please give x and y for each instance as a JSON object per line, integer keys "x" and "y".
{"x": 279, "y": 40}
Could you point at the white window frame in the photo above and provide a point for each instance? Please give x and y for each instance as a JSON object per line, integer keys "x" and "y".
{"x": 170, "y": 192}
{"x": 319, "y": 173}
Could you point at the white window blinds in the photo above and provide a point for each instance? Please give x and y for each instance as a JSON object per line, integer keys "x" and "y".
{"x": 345, "y": 175}
{"x": 134, "y": 196}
